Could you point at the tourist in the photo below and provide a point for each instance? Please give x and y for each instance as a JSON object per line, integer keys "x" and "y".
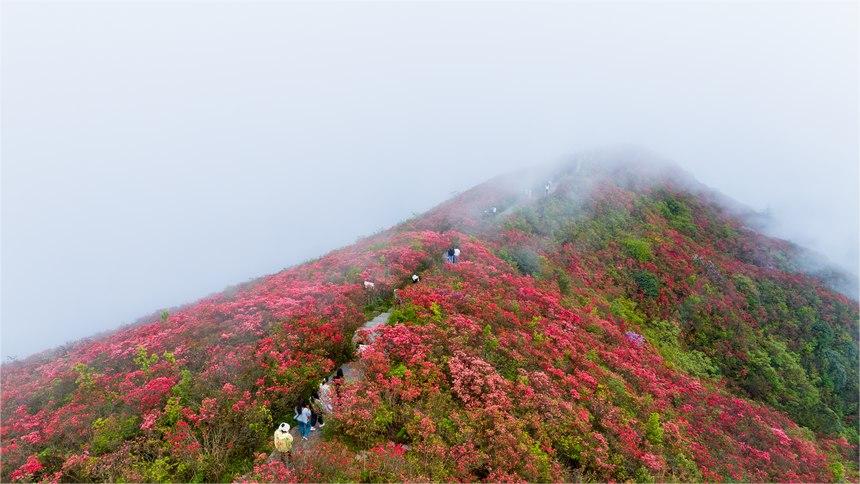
{"x": 303, "y": 417}
{"x": 283, "y": 442}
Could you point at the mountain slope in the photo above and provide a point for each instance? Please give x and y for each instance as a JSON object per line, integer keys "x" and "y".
{"x": 623, "y": 324}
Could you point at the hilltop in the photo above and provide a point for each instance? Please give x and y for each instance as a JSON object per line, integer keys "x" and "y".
{"x": 622, "y": 322}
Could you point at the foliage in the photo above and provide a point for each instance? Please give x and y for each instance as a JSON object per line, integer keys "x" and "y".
{"x": 110, "y": 432}
{"x": 639, "y": 249}
{"x": 678, "y": 215}
{"x": 625, "y": 309}
{"x": 523, "y": 259}
{"x": 615, "y": 330}
{"x": 664, "y": 336}
{"x": 647, "y": 282}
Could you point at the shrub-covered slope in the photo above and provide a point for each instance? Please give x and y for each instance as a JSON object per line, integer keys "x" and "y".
{"x": 623, "y": 325}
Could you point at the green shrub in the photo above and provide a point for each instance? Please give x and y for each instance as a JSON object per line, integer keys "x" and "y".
{"x": 182, "y": 389}
{"x": 524, "y": 260}
{"x": 86, "y": 376}
{"x": 643, "y": 475}
{"x": 639, "y": 249}
{"x": 159, "y": 470}
{"x": 626, "y": 309}
{"x": 436, "y": 311}
{"x": 405, "y": 313}
{"x": 748, "y": 288}
{"x": 110, "y": 432}
{"x": 664, "y": 336}
{"x": 171, "y": 411}
{"x": 490, "y": 341}
{"x": 838, "y": 471}
{"x": 144, "y": 360}
{"x": 398, "y": 370}
{"x": 647, "y": 283}
{"x": 563, "y": 281}
{"x": 678, "y": 215}
{"x": 376, "y": 304}
{"x": 653, "y": 429}
{"x": 352, "y": 274}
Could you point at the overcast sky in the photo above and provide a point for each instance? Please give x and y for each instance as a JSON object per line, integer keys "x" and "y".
{"x": 154, "y": 153}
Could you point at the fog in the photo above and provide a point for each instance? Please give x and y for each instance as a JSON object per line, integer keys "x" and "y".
{"x": 154, "y": 153}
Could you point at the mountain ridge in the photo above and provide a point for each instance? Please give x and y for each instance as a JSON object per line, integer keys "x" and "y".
{"x": 582, "y": 270}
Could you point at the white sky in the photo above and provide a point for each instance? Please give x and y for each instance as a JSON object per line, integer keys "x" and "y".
{"x": 153, "y": 153}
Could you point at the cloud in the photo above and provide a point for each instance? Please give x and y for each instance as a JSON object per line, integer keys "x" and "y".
{"x": 154, "y": 153}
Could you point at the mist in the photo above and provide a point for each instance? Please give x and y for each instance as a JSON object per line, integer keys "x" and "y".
{"x": 155, "y": 153}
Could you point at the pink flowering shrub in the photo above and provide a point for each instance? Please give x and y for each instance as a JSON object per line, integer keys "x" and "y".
{"x": 274, "y": 471}
{"x": 29, "y": 470}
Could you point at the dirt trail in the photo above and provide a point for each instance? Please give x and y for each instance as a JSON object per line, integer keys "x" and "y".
{"x": 351, "y": 371}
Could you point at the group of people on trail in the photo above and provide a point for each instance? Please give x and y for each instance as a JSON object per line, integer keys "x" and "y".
{"x": 309, "y": 415}
{"x": 311, "y": 412}
{"x": 306, "y": 418}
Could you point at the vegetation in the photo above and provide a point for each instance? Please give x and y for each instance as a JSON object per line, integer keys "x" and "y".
{"x": 630, "y": 332}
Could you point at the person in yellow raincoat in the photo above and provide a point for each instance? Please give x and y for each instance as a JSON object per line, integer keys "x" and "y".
{"x": 283, "y": 442}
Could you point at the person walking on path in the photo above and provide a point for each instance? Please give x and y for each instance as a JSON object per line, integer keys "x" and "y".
{"x": 319, "y": 411}
{"x": 314, "y": 416}
{"x": 337, "y": 381}
{"x": 325, "y": 396}
{"x": 450, "y": 254}
{"x": 303, "y": 416}
{"x": 456, "y": 254}
{"x": 284, "y": 442}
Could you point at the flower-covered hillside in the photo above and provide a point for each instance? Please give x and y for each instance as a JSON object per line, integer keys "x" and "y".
{"x": 486, "y": 374}
{"x": 192, "y": 395}
{"x": 607, "y": 325}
